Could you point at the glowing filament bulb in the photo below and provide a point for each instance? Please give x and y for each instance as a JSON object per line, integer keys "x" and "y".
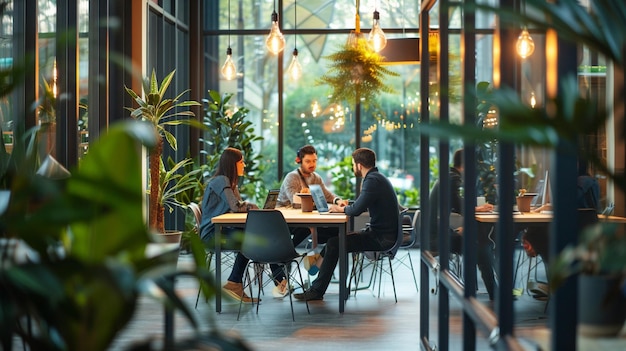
{"x": 295, "y": 69}
{"x": 525, "y": 45}
{"x": 229, "y": 71}
{"x": 377, "y": 38}
{"x": 275, "y": 42}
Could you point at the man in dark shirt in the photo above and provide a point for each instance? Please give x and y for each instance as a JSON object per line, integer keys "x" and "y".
{"x": 484, "y": 245}
{"x": 378, "y": 196}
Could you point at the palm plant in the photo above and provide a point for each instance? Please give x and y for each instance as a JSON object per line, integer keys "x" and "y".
{"x": 160, "y": 112}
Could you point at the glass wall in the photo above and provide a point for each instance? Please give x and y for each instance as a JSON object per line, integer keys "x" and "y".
{"x": 318, "y": 29}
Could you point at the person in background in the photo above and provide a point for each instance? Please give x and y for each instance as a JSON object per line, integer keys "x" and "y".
{"x": 297, "y": 181}
{"x": 221, "y": 195}
{"x": 379, "y": 197}
{"x": 484, "y": 257}
{"x": 535, "y": 239}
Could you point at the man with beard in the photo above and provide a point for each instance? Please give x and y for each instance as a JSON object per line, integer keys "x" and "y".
{"x": 298, "y": 181}
{"x": 378, "y": 196}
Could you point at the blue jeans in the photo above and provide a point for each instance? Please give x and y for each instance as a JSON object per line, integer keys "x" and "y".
{"x": 241, "y": 261}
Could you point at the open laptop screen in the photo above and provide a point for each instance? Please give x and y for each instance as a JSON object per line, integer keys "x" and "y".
{"x": 270, "y": 200}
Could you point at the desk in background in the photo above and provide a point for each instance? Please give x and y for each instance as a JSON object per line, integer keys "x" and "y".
{"x": 294, "y": 218}
{"x": 531, "y": 217}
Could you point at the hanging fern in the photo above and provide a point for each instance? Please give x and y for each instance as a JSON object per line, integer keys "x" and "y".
{"x": 356, "y": 73}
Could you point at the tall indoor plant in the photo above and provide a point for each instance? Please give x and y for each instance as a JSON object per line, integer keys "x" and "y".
{"x": 228, "y": 126}
{"x": 159, "y": 111}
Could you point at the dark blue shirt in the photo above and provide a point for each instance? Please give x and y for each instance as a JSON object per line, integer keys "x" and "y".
{"x": 378, "y": 196}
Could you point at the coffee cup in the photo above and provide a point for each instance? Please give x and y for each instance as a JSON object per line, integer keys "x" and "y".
{"x": 480, "y": 200}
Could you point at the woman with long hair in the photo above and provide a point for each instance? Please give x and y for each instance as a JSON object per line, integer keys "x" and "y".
{"x": 221, "y": 196}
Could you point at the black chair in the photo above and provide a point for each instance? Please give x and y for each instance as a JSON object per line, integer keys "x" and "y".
{"x": 267, "y": 240}
{"x": 377, "y": 258}
{"x": 197, "y": 213}
{"x": 410, "y": 229}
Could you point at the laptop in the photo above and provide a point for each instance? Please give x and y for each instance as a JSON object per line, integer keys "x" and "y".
{"x": 320, "y": 200}
{"x": 270, "y": 200}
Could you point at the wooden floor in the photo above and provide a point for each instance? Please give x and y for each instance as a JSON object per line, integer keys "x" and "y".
{"x": 369, "y": 322}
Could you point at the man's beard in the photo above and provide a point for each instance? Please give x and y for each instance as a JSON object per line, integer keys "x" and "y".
{"x": 304, "y": 170}
{"x": 357, "y": 173}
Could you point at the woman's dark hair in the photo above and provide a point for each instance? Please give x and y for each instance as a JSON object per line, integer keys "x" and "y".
{"x": 228, "y": 165}
{"x": 364, "y": 156}
{"x": 457, "y": 158}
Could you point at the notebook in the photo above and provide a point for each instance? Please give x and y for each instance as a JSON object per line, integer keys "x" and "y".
{"x": 320, "y": 200}
{"x": 270, "y": 200}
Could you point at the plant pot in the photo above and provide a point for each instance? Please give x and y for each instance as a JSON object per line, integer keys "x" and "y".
{"x": 601, "y": 305}
{"x": 47, "y": 138}
{"x": 170, "y": 236}
{"x": 523, "y": 203}
{"x": 306, "y": 202}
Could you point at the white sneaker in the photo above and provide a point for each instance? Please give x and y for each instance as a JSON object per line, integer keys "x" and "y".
{"x": 280, "y": 290}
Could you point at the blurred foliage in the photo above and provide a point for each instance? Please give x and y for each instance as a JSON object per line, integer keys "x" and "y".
{"x": 342, "y": 178}
{"x": 229, "y": 127}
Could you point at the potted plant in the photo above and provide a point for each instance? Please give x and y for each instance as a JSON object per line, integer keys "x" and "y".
{"x": 160, "y": 112}
{"x": 356, "y": 74}
{"x": 599, "y": 260}
{"x": 47, "y": 117}
{"x": 174, "y": 183}
{"x": 87, "y": 242}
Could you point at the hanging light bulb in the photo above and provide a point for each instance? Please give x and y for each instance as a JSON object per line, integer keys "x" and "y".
{"x": 295, "y": 69}
{"x": 533, "y": 100}
{"x": 275, "y": 42}
{"x": 229, "y": 71}
{"x": 525, "y": 45}
{"x": 377, "y": 38}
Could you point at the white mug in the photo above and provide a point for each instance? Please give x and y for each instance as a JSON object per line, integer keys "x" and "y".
{"x": 480, "y": 200}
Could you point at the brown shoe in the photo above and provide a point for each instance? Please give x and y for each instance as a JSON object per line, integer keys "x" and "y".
{"x": 235, "y": 290}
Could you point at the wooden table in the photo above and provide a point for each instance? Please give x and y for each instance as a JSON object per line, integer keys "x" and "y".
{"x": 532, "y": 217}
{"x": 294, "y": 218}
{"x": 521, "y": 217}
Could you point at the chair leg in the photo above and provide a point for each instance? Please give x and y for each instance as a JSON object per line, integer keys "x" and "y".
{"x": 287, "y": 273}
{"x": 356, "y": 272}
{"x": 379, "y": 266}
{"x": 302, "y": 284}
{"x": 207, "y": 259}
{"x": 359, "y": 276}
{"x": 249, "y": 280}
{"x": 413, "y": 272}
{"x": 393, "y": 281}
